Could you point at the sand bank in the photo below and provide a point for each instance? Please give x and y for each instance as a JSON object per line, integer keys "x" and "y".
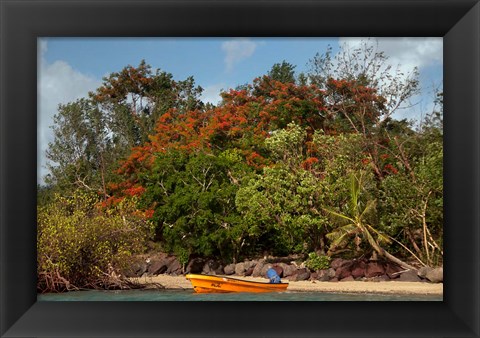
{"x": 390, "y": 287}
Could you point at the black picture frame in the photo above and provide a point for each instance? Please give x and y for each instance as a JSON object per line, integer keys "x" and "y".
{"x": 23, "y": 21}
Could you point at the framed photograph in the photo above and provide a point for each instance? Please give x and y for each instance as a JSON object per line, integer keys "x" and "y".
{"x": 23, "y": 23}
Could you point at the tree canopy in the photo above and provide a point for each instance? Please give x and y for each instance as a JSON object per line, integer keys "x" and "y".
{"x": 283, "y": 165}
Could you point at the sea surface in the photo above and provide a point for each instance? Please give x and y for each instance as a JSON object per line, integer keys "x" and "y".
{"x": 189, "y": 295}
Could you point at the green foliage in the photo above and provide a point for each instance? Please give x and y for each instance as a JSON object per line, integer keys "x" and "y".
{"x": 92, "y": 136}
{"x": 45, "y": 195}
{"x": 317, "y": 262}
{"x": 339, "y": 155}
{"x": 194, "y": 201}
{"x": 279, "y": 165}
{"x": 283, "y": 72}
{"x": 287, "y": 145}
{"x": 183, "y": 255}
{"x": 356, "y": 220}
{"x": 412, "y": 200}
{"x": 134, "y": 98}
{"x": 283, "y": 200}
{"x": 79, "y": 245}
{"x": 80, "y": 155}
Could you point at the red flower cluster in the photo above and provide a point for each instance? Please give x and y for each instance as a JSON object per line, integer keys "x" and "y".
{"x": 309, "y": 162}
{"x": 134, "y": 191}
{"x": 149, "y": 213}
{"x": 390, "y": 169}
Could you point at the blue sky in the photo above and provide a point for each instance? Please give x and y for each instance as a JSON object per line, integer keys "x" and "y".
{"x": 68, "y": 68}
{"x": 213, "y": 62}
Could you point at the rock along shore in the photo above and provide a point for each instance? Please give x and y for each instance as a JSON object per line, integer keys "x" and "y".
{"x": 361, "y": 276}
{"x": 392, "y": 287}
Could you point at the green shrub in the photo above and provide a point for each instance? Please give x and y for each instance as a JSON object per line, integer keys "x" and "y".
{"x": 80, "y": 245}
{"x": 316, "y": 262}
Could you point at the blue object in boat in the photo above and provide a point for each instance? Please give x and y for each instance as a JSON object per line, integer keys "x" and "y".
{"x": 273, "y": 276}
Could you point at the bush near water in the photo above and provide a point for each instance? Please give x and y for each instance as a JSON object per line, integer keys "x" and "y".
{"x": 81, "y": 246}
{"x": 290, "y": 164}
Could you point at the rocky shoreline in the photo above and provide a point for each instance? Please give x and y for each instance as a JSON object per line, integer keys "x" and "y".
{"x": 180, "y": 283}
{"x": 288, "y": 268}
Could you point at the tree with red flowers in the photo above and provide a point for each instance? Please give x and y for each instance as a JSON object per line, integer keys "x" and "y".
{"x": 259, "y": 170}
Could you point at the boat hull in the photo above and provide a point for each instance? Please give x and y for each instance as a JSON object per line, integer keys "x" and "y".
{"x": 220, "y": 284}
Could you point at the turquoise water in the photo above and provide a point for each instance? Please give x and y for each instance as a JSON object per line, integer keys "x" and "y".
{"x": 189, "y": 295}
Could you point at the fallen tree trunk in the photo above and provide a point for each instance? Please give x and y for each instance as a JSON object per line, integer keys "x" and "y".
{"x": 397, "y": 261}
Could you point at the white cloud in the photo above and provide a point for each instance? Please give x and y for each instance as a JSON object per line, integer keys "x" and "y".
{"x": 42, "y": 47}
{"x": 212, "y": 93}
{"x": 408, "y": 53}
{"x": 237, "y": 50}
{"x": 411, "y": 52}
{"x": 57, "y": 83}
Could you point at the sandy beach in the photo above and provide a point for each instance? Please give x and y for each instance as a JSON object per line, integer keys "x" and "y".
{"x": 390, "y": 287}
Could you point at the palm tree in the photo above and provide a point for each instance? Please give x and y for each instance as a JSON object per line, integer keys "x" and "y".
{"x": 355, "y": 223}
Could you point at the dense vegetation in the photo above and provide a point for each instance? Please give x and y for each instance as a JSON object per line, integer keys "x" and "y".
{"x": 82, "y": 246}
{"x": 312, "y": 164}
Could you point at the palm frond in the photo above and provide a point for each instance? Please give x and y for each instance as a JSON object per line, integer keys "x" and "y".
{"x": 370, "y": 207}
{"x": 339, "y": 216}
{"x": 346, "y": 229}
{"x": 379, "y": 233}
{"x": 370, "y": 239}
{"x": 383, "y": 239}
{"x": 340, "y": 235}
{"x": 354, "y": 193}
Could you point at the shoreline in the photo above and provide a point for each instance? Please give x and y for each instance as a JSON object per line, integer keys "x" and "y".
{"x": 383, "y": 287}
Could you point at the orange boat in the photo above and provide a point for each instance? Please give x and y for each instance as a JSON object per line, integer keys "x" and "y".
{"x": 220, "y": 284}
